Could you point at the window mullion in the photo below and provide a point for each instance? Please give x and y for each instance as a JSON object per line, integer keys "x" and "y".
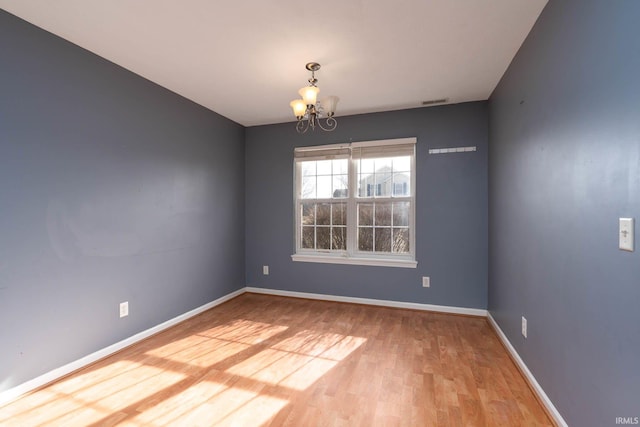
{"x": 352, "y": 226}
{"x": 412, "y": 211}
{"x": 297, "y": 172}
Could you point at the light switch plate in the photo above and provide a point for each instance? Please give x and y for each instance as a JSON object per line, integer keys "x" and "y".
{"x": 626, "y": 234}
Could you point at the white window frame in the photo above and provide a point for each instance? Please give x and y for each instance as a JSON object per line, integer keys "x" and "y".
{"x": 352, "y": 255}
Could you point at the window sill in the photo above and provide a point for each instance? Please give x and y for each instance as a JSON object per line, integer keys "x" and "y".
{"x": 327, "y": 259}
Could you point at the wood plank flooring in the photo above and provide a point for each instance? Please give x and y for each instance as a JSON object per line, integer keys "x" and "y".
{"x": 261, "y": 360}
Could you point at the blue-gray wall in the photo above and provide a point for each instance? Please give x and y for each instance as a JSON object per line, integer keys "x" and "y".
{"x": 564, "y": 166}
{"x": 451, "y": 209}
{"x": 111, "y": 189}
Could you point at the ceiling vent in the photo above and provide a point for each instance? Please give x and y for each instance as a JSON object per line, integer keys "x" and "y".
{"x": 435, "y": 101}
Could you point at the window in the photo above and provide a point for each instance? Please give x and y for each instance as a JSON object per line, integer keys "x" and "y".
{"x": 355, "y": 203}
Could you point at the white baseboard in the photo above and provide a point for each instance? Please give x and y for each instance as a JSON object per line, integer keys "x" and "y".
{"x": 15, "y": 392}
{"x": 368, "y": 301}
{"x": 551, "y": 409}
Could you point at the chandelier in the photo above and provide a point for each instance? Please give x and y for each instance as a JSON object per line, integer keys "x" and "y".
{"x": 308, "y": 111}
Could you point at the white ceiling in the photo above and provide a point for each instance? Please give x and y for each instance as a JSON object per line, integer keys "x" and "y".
{"x": 245, "y": 59}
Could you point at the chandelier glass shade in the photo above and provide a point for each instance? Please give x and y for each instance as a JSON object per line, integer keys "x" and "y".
{"x": 311, "y": 113}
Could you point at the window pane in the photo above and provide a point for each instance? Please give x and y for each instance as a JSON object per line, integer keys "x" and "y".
{"x": 365, "y": 183}
{"x": 364, "y": 187}
{"x": 340, "y": 186}
{"x": 308, "y": 189}
{"x": 401, "y": 240}
{"x": 383, "y": 214}
{"x": 341, "y": 167}
{"x": 324, "y": 167}
{"x": 323, "y": 214}
{"x": 308, "y": 168}
{"x": 401, "y": 184}
{"x": 365, "y": 239}
{"x": 308, "y": 213}
{"x": 367, "y": 166}
{"x": 383, "y": 184}
{"x": 365, "y": 214}
{"x": 323, "y": 235}
{"x": 339, "y": 214}
{"x": 401, "y": 214}
{"x": 308, "y": 240}
{"x": 383, "y": 239}
{"x": 383, "y": 164}
{"x": 402, "y": 164}
{"x": 339, "y": 238}
{"x": 324, "y": 187}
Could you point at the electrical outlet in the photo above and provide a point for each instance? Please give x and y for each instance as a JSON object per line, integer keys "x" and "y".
{"x": 524, "y": 326}
{"x": 426, "y": 282}
{"x": 124, "y": 309}
{"x": 265, "y": 270}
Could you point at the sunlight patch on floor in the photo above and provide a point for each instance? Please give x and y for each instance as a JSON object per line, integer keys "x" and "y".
{"x": 108, "y": 391}
{"x": 298, "y": 361}
{"x": 173, "y": 408}
{"x": 244, "y": 331}
{"x": 178, "y": 346}
{"x": 204, "y": 354}
{"x": 210, "y": 403}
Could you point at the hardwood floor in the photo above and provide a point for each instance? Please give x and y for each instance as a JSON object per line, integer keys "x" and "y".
{"x": 261, "y": 360}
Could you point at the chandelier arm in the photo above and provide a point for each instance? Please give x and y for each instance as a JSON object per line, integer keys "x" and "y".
{"x": 330, "y": 124}
{"x": 302, "y": 126}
